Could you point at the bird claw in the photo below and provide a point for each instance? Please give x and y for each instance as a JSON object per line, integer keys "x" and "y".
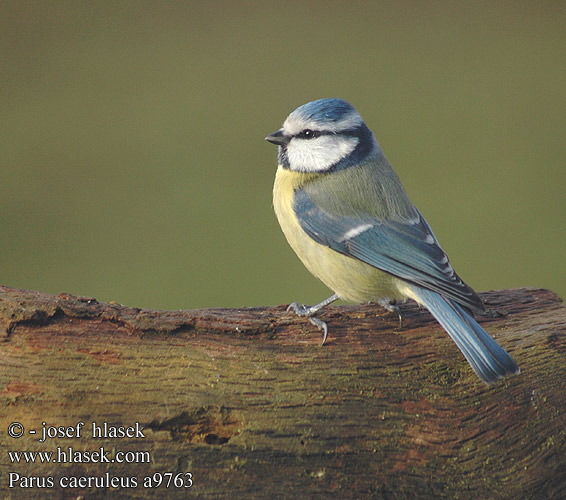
{"x": 392, "y": 306}
{"x": 309, "y": 311}
{"x": 321, "y": 325}
{"x": 301, "y": 310}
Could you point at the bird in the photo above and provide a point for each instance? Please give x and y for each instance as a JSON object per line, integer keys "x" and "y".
{"x": 345, "y": 213}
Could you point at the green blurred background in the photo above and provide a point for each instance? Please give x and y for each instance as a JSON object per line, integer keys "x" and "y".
{"x": 133, "y": 165}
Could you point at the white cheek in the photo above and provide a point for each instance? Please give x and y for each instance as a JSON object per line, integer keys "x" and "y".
{"x": 316, "y": 155}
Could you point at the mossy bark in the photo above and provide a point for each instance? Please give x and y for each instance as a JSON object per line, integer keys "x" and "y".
{"x": 252, "y": 406}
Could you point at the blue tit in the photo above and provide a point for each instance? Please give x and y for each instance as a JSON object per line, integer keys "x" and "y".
{"x": 345, "y": 213}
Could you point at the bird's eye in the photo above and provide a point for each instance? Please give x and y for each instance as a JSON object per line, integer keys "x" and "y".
{"x": 307, "y": 134}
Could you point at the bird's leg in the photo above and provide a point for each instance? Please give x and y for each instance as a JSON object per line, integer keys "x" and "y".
{"x": 310, "y": 311}
{"x": 391, "y": 305}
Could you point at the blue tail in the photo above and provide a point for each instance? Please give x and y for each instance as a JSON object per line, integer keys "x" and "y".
{"x": 487, "y": 358}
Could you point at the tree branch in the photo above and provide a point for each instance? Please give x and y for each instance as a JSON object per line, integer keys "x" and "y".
{"x": 250, "y": 403}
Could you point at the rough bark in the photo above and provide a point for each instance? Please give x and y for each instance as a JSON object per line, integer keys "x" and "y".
{"x": 249, "y": 402}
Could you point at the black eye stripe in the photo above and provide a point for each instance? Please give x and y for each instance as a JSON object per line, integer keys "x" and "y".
{"x": 308, "y": 134}
{"x": 312, "y": 134}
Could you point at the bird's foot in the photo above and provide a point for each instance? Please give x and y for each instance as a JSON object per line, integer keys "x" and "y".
{"x": 302, "y": 310}
{"x": 321, "y": 325}
{"x": 391, "y": 306}
{"x": 310, "y": 311}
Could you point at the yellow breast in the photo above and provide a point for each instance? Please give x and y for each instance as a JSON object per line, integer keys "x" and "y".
{"x": 352, "y": 279}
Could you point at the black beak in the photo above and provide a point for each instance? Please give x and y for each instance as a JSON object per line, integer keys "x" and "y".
{"x": 278, "y": 138}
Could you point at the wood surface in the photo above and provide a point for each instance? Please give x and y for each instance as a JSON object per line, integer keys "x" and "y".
{"x": 250, "y": 403}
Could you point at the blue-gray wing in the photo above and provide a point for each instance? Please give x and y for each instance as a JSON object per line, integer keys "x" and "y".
{"x": 406, "y": 249}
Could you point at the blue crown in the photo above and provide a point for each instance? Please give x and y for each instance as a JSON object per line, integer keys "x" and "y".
{"x": 325, "y": 110}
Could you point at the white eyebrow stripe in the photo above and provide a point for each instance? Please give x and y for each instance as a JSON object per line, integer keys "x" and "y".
{"x": 348, "y": 122}
{"x": 355, "y": 231}
{"x": 297, "y": 122}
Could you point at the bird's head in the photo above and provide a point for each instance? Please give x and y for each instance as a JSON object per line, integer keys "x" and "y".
{"x": 323, "y": 135}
